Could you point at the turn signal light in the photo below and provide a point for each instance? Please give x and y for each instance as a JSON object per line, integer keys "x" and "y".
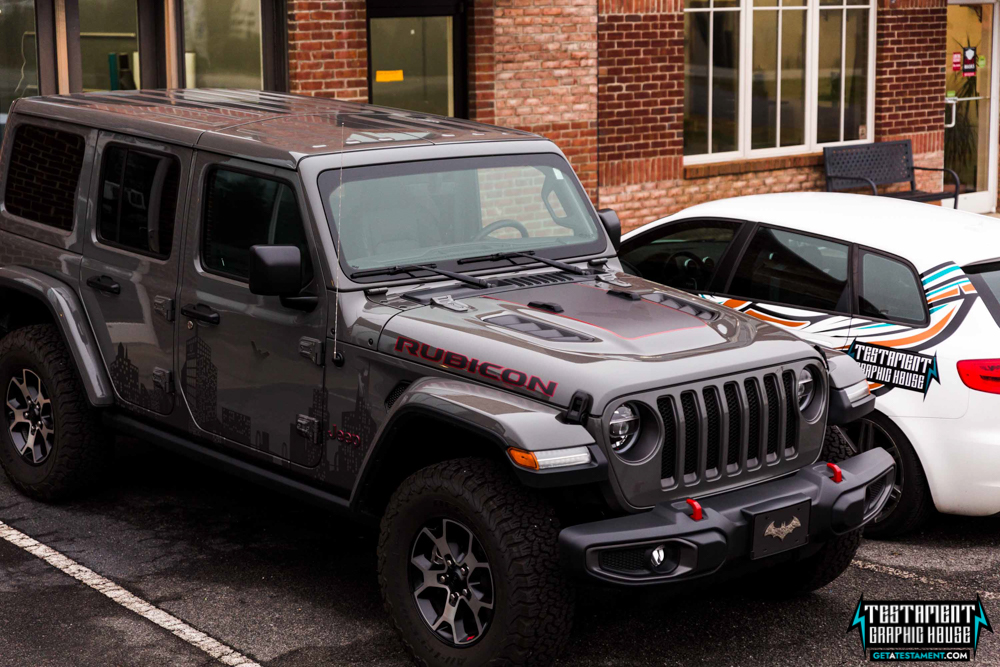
{"x": 981, "y": 374}
{"x": 550, "y": 458}
{"x": 523, "y": 458}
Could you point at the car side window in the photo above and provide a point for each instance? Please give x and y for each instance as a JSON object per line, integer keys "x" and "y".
{"x": 794, "y": 269}
{"x": 683, "y": 254}
{"x": 889, "y": 290}
{"x": 243, "y": 210}
{"x": 42, "y": 175}
{"x": 138, "y": 200}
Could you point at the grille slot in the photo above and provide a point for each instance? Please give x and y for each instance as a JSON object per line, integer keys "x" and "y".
{"x": 791, "y": 411}
{"x": 396, "y": 392}
{"x": 535, "y": 279}
{"x": 773, "y": 414}
{"x": 753, "y": 408}
{"x": 690, "y": 408}
{"x": 627, "y": 561}
{"x": 735, "y": 423}
{"x": 713, "y": 421}
{"x": 668, "y": 463}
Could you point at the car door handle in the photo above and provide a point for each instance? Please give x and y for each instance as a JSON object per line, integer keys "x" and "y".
{"x": 202, "y": 313}
{"x": 104, "y": 284}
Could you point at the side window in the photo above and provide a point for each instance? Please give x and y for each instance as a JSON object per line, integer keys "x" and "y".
{"x": 889, "y": 290}
{"x": 138, "y": 201}
{"x": 43, "y": 175}
{"x": 682, "y": 254}
{"x": 794, "y": 269}
{"x": 242, "y": 211}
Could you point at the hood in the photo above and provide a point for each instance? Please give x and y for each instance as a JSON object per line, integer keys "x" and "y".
{"x": 607, "y": 339}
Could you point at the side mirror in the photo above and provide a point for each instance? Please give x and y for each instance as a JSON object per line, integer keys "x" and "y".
{"x": 612, "y": 225}
{"x": 275, "y": 270}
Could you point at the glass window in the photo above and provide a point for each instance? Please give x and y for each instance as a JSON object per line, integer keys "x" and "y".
{"x": 794, "y": 269}
{"x": 43, "y": 174}
{"x": 109, "y": 44}
{"x": 242, "y": 211}
{"x": 682, "y": 254}
{"x": 412, "y": 63}
{"x": 889, "y": 290}
{"x": 138, "y": 201}
{"x": 446, "y": 210}
{"x": 222, "y": 47}
{"x": 789, "y": 47}
{"x": 18, "y": 54}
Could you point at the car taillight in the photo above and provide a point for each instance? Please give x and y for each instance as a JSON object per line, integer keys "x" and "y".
{"x": 981, "y": 374}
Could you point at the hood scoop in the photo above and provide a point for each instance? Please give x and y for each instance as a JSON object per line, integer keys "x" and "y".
{"x": 537, "y": 279}
{"x": 537, "y": 328}
{"x": 663, "y": 299}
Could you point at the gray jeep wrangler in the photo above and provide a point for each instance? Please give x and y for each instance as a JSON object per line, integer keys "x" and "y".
{"x": 417, "y": 321}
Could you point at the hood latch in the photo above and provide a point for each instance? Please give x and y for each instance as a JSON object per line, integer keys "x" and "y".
{"x": 579, "y": 408}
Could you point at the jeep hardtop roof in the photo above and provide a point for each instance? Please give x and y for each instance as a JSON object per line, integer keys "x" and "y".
{"x": 276, "y": 128}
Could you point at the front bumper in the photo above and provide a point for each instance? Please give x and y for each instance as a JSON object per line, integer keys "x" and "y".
{"x": 618, "y": 550}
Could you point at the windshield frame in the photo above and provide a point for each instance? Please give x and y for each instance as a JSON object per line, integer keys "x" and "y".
{"x": 328, "y": 180}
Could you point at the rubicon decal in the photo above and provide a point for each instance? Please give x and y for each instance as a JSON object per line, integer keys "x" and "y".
{"x": 920, "y": 630}
{"x": 486, "y": 369}
{"x": 896, "y": 368}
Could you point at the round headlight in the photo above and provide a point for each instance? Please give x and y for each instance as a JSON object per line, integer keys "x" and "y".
{"x": 624, "y": 428}
{"x": 806, "y": 388}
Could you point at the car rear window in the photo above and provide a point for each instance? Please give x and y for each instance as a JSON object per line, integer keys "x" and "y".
{"x": 985, "y": 277}
{"x": 43, "y": 174}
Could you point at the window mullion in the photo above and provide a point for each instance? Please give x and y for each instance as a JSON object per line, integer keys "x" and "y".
{"x": 843, "y": 66}
{"x": 777, "y": 74}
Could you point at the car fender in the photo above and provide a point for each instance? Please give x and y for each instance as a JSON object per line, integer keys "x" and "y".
{"x": 845, "y": 373}
{"x": 71, "y": 319}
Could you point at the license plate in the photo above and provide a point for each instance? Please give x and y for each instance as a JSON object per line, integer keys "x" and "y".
{"x": 780, "y": 529}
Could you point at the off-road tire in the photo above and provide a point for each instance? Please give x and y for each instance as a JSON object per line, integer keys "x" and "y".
{"x": 818, "y": 570}
{"x": 836, "y": 448}
{"x": 518, "y": 531}
{"x": 80, "y": 451}
{"x": 915, "y": 504}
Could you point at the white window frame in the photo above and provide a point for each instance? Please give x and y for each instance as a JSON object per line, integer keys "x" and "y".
{"x": 745, "y": 152}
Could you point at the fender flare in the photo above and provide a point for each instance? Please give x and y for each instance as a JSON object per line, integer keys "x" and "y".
{"x": 845, "y": 372}
{"x": 69, "y": 315}
{"x": 505, "y": 419}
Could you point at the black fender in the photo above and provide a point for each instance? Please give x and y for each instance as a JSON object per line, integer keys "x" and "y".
{"x": 846, "y": 372}
{"x": 69, "y": 315}
{"x": 502, "y": 418}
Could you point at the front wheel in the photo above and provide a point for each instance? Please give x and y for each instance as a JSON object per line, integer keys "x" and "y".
{"x": 469, "y": 568}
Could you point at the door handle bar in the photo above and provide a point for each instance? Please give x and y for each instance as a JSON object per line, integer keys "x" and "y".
{"x": 104, "y": 284}
{"x": 202, "y": 313}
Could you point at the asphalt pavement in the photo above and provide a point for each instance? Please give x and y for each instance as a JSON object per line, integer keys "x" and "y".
{"x": 283, "y": 584}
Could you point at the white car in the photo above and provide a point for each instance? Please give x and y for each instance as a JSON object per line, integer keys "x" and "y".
{"x": 909, "y": 290}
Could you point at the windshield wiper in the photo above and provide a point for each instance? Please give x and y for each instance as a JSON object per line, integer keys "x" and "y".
{"x": 530, "y": 254}
{"x": 410, "y": 268}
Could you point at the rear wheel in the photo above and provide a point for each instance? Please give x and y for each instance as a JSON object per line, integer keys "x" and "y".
{"x": 469, "y": 568}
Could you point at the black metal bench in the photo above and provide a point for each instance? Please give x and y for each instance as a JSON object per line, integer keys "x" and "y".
{"x": 882, "y": 163}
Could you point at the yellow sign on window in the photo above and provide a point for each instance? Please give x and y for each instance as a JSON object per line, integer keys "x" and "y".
{"x": 388, "y": 75}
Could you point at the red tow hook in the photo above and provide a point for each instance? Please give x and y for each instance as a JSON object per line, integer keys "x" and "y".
{"x": 696, "y": 507}
{"x": 838, "y": 475}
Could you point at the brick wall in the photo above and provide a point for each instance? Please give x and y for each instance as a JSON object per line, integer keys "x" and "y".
{"x": 482, "y": 64}
{"x": 328, "y": 48}
{"x": 545, "y": 54}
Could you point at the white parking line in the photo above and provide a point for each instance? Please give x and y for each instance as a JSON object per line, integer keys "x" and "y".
{"x": 150, "y": 612}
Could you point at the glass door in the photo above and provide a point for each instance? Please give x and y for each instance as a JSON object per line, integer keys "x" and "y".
{"x": 970, "y": 136}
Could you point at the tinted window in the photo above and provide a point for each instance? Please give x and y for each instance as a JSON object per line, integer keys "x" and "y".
{"x": 42, "y": 175}
{"x": 986, "y": 279}
{"x": 794, "y": 269}
{"x": 242, "y": 211}
{"x": 682, "y": 254}
{"x": 889, "y": 290}
{"x": 138, "y": 200}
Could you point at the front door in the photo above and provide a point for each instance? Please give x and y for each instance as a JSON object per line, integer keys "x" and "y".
{"x": 970, "y": 136}
{"x": 251, "y": 366}
{"x": 130, "y": 265}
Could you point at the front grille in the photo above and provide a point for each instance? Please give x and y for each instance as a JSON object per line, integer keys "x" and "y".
{"x": 745, "y": 422}
{"x": 626, "y": 561}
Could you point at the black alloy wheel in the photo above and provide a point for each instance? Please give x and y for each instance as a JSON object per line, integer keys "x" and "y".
{"x": 28, "y": 411}
{"x": 864, "y": 435}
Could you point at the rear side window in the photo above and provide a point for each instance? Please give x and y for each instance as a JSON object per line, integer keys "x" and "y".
{"x": 794, "y": 269}
{"x": 138, "y": 201}
{"x": 985, "y": 277}
{"x": 242, "y": 211}
{"x": 681, "y": 254}
{"x": 43, "y": 174}
{"x": 889, "y": 290}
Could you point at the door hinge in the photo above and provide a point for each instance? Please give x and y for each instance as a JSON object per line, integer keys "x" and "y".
{"x": 307, "y": 427}
{"x": 163, "y": 380}
{"x": 312, "y": 349}
{"x": 164, "y": 307}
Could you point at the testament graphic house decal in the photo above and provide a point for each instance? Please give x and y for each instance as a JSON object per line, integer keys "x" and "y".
{"x": 891, "y": 367}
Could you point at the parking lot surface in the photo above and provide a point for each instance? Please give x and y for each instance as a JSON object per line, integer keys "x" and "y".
{"x": 283, "y": 583}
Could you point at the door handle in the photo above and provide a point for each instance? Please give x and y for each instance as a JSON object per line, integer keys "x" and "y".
{"x": 104, "y": 284}
{"x": 202, "y": 313}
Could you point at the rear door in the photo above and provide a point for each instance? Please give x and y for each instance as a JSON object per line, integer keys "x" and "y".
{"x": 129, "y": 273}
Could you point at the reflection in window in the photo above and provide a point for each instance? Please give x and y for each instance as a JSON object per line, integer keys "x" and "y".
{"x": 109, "y": 44}
{"x": 222, "y": 47}
{"x": 682, "y": 255}
{"x": 138, "y": 201}
{"x": 842, "y": 90}
{"x": 412, "y": 64}
{"x": 18, "y": 54}
{"x": 711, "y": 77}
{"x": 889, "y": 290}
{"x": 778, "y": 84}
{"x": 43, "y": 174}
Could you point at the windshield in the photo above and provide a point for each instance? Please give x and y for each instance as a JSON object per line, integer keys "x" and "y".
{"x": 444, "y": 210}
